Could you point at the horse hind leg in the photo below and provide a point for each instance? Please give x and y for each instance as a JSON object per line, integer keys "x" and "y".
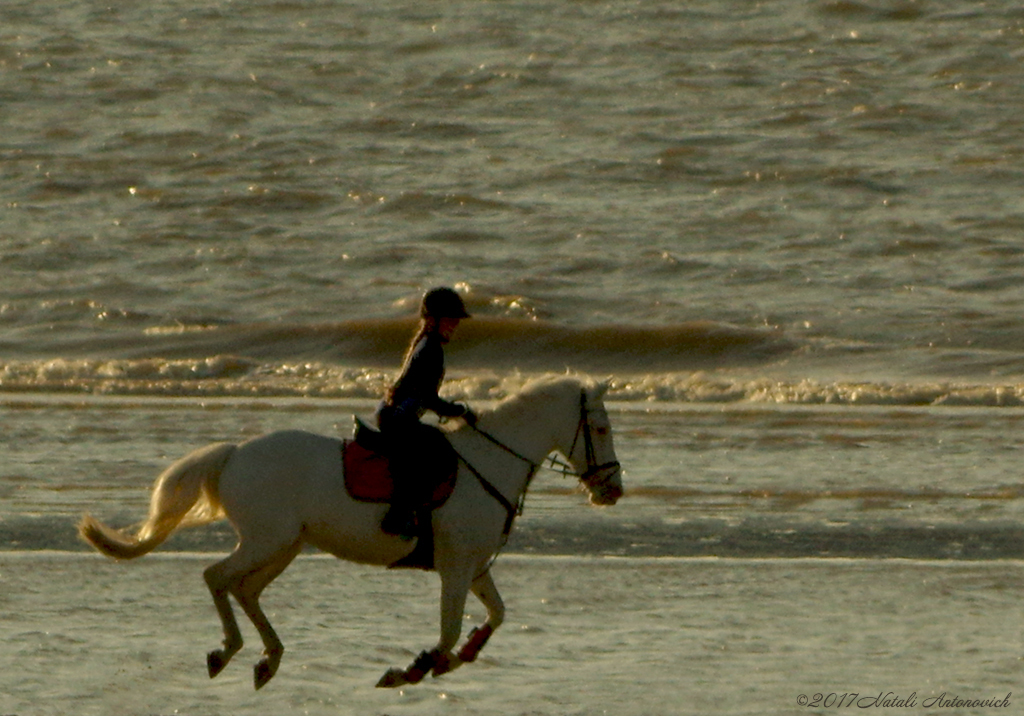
{"x": 248, "y": 594}
{"x": 218, "y": 580}
{"x": 245, "y": 580}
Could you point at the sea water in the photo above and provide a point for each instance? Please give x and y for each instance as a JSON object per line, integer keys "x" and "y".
{"x": 787, "y": 233}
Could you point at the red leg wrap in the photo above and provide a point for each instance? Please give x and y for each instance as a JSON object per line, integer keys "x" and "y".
{"x": 477, "y": 638}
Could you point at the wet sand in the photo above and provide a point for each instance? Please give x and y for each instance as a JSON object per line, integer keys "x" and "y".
{"x": 628, "y": 637}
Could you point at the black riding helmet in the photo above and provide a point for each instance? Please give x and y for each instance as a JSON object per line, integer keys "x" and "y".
{"x": 443, "y": 303}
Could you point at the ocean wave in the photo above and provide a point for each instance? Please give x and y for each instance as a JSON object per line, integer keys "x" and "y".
{"x": 707, "y": 388}
{"x": 493, "y": 342}
{"x": 492, "y": 357}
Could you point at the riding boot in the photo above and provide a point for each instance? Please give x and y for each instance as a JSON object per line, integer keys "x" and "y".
{"x": 400, "y": 521}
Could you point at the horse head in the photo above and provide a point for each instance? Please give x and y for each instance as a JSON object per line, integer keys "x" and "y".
{"x": 592, "y": 453}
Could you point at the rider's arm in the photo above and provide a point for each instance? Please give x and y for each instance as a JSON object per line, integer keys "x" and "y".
{"x": 424, "y": 373}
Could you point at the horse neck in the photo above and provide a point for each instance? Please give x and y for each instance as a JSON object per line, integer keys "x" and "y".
{"x": 535, "y": 430}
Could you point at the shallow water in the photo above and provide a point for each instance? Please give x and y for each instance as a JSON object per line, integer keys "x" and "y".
{"x": 622, "y": 610}
{"x": 743, "y": 481}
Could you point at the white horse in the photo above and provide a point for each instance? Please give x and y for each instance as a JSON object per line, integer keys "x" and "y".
{"x": 286, "y": 489}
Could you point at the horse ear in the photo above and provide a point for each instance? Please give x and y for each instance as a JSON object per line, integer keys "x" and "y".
{"x": 601, "y": 388}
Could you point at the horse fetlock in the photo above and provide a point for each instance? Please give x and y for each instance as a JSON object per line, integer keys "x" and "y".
{"x": 262, "y": 673}
{"x": 216, "y": 660}
{"x": 424, "y": 664}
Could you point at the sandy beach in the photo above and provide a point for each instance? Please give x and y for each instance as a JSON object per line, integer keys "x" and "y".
{"x": 628, "y": 637}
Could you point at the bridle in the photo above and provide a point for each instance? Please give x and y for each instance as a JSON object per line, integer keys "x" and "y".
{"x": 589, "y": 477}
{"x": 593, "y": 470}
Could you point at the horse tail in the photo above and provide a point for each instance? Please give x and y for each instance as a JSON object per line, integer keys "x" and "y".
{"x": 186, "y": 494}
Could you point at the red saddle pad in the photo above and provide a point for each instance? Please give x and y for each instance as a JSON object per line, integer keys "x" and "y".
{"x": 368, "y": 476}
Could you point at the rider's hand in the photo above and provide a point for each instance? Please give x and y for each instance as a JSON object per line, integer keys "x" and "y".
{"x": 468, "y": 415}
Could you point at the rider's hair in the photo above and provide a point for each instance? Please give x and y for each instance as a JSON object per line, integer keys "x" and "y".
{"x": 427, "y": 325}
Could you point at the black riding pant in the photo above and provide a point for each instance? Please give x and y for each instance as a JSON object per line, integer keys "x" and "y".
{"x": 409, "y": 445}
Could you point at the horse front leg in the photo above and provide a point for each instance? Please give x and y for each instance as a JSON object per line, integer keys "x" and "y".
{"x": 484, "y": 589}
{"x": 454, "y": 589}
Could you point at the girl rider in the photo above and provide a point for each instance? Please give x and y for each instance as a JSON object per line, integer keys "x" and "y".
{"x": 414, "y": 392}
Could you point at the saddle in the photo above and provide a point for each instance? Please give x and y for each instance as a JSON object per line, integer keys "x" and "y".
{"x": 368, "y": 479}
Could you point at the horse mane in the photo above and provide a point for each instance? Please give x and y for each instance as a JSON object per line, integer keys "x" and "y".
{"x": 542, "y": 389}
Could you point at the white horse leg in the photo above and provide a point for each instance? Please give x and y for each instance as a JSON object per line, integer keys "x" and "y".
{"x": 248, "y": 593}
{"x": 454, "y": 589}
{"x": 245, "y": 576}
{"x": 484, "y": 589}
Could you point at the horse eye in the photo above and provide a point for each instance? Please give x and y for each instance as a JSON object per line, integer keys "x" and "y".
{"x": 601, "y": 431}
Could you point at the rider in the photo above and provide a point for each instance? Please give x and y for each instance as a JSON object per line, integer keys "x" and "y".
{"x": 414, "y": 392}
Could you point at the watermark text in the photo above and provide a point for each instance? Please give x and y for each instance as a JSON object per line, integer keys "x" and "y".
{"x": 895, "y": 700}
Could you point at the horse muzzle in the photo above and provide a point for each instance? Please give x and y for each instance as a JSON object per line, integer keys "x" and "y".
{"x": 598, "y": 480}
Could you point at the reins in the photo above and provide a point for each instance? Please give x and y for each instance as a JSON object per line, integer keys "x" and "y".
{"x": 511, "y": 510}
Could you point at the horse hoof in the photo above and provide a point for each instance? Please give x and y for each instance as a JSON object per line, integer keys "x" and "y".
{"x": 215, "y": 662}
{"x": 262, "y": 673}
{"x": 426, "y": 661}
{"x": 392, "y": 678}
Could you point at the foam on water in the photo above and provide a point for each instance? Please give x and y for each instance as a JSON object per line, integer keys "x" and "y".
{"x": 236, "y": 376}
